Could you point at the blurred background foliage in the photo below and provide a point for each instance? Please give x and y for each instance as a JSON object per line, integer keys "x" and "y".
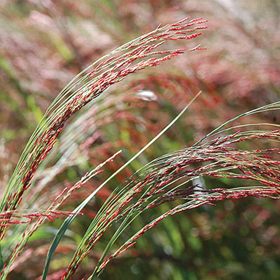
{"x": 45, "y": 43}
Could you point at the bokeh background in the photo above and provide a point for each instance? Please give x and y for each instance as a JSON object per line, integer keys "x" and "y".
{"x": 44, "y": 44}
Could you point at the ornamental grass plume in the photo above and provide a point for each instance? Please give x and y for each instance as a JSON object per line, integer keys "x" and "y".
{"x": 145, "y": 51}
{"x": 167, "y": 178}
{"x": 226, "y": 152}
{"x": 138, "y": 54}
